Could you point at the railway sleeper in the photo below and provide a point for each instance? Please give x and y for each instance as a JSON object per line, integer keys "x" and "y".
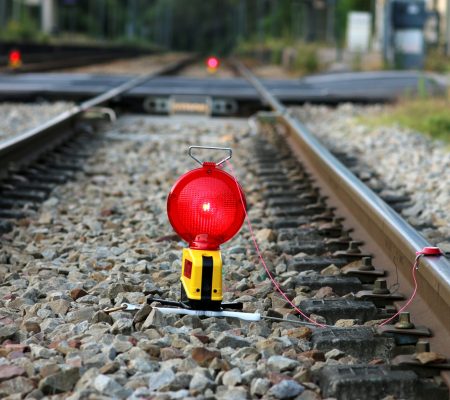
{"x": 24, "y": 194}
{"x": 277, "y": 186}
{"x": 341, "y": 285}
{"x": 315, "y": 263}
{"x": 6, "y": 203}
{"x": 20, "y": 180}
{"x": 13, "y": 214}
{"x": 45, "y": 176}
{"x": 376, "y": 382}
{"x": 308, "y": 210}
{"x": 295, "y": 235}
{"x": 23, "y": 188}
{"x": 360, "y": 342}
{"x": 312, "y": 247}
{"x": 297, "y": 222}
{"x": 319, "y": 231}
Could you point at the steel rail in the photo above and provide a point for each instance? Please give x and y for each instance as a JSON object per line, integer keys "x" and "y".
{"x": 397, "y": 239}
{"x": 29, "y": 145}
{"x": 64, "y": 61}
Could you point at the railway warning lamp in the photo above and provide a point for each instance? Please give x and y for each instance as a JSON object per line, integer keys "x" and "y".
{"x": 212, "y": 64}
{"x": 206, "y": 207}
{"x": 15, "y": 59}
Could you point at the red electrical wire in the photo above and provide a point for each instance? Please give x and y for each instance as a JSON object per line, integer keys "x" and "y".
{"x": 414, "y": 268}
{"x": 426, "y": 251}
{"x": 275, "y": 283}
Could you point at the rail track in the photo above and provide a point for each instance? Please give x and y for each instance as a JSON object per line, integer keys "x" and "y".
{"x": 44, "y": 57}
{"x": 365, "y": 88}
{"x": 122, "y": 249}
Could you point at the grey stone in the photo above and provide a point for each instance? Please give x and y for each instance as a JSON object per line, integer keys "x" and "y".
{"x": 49, "y": 254}
{"x": 49, "y": 325}
{"x": 232, "y": 377}
{"x": 199, "y": 383}
{"x": 281, "y": 364}
{"x": 334, "y": 354}
{"x": 83, "y": 314}
{"x": 142, "y": 314}
{"x": 42, "y": 352}
{"x": 259, "y": 386}
{"x": 121, "y": 344}
{"x": 110, "y": 387}
{"x": 101, "y": 316}
{"x": 155, "y": 319}
{"x": 161, "y": 379}
{"x": 7, "y": 332}
{"x": 44, "y": 313}
{"x": 192, "y": 321}
{"x": 19, "y": 385}
{"x": 117, "y": 288}
{"x": 60, "y": 382}
{"x": 235, "y": 393}
{"x": 286, "y": 389}
{"x": 59, "y": 306}
{"x": 182, "y": 381}
{"x": 228, "y": 340}
{"x": 96, "y": 361}
{"x": 122, "y": 326}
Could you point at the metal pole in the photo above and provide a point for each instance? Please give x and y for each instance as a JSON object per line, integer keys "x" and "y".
{"x": 16, "y": 9}
{"x": 47, "y": 16}
{"x": 331, "y": 38}
{"x": 3, "y": 16}
{"x": 259, "y": 13}
{"x": 131, "y": 29}
{"x": 447, "y": 28}
{"x": 241, "y": 19}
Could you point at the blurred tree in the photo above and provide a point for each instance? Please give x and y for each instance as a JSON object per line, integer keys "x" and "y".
{"x": 199, "y": 25}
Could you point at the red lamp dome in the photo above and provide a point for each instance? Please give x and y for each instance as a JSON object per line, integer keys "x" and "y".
{"x": 205, "y": 207}
{"x": 14, "y": 58}
{"x": 212, "y": 62}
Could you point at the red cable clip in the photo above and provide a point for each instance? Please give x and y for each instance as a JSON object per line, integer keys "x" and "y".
{"x": 427, "y": 252}
{"x": 430, "y": 251}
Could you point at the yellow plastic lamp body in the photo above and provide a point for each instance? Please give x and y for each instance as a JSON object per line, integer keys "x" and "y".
{"x": 201, "y": 274}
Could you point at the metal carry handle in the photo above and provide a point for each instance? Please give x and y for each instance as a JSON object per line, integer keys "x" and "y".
{"x": 230, "y": 153}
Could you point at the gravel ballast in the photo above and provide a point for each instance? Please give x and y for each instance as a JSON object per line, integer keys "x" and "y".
{"x": 405, "y": 162}
{"x": 105, "y": 239}
{"x": 16, "y": 118}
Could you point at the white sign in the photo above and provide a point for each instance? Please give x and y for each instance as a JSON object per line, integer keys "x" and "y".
{"x": 358, "y": 31}
{"x": 409, "y": 41}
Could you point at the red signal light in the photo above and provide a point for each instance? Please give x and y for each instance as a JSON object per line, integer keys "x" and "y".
{"x": 205, "y": 207}
{"x": 212, "y": 62}
{"x": 15, "y": 58}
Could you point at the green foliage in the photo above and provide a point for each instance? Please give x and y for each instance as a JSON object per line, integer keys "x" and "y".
{"x": 437, "y": 61}
{"x": 26, "y": 31}
{"x": 307, "y": 60}
{"x": 422, "y": 91}
{"x": 213, "y": 26}
{"x": 425, "y": 115}
{"x": 357, "y": 61}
